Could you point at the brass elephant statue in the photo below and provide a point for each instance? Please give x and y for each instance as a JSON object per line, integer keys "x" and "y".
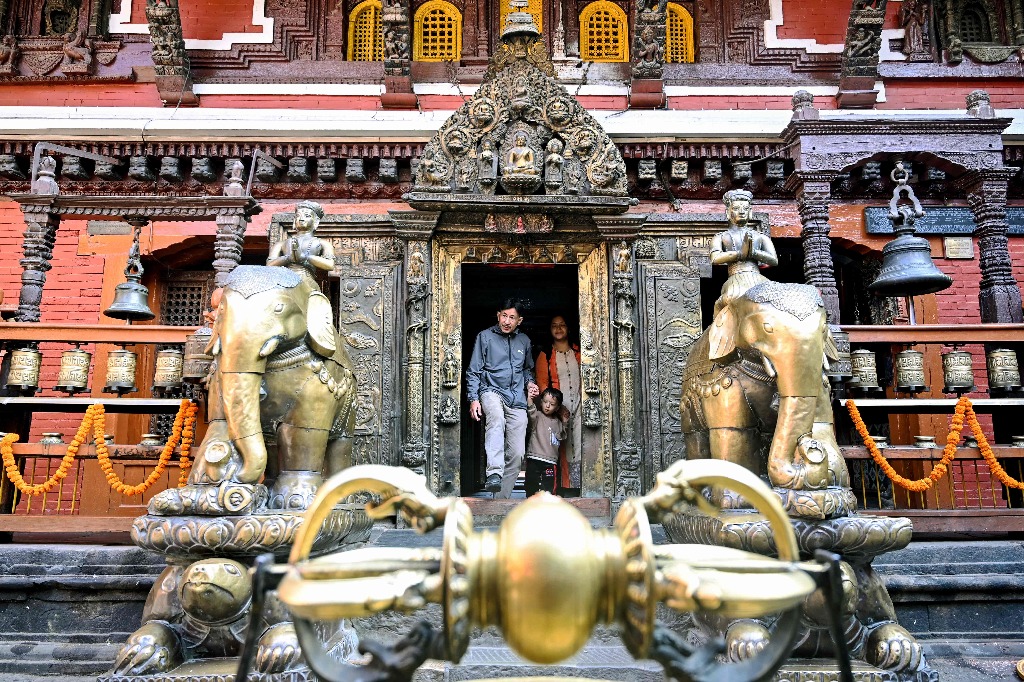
{"x": 281, "y": 395}
{"x": 755, "y": 380}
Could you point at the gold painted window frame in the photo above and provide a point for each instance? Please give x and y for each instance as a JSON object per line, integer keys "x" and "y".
{"x": 432, "y": 48}
{"x": 358, "y": 50}
{"x": 615, "y": 31}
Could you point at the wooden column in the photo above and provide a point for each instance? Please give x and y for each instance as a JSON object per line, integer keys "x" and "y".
{"x": 813, "y": 195}
{"x": 227, "y": 245}
{"x": 1000, "y": 298}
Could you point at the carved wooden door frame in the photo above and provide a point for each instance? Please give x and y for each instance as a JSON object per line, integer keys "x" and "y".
{"x": 447, "y": 257}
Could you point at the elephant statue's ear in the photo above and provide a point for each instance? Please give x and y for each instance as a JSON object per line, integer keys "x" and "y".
{"x": 320, "y": 325}
{"x": 722, "y": 335}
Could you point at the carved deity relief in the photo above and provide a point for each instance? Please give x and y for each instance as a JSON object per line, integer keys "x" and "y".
{"x": 522, "y": 134}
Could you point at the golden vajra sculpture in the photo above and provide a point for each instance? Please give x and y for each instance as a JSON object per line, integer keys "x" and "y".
{"x": 546, "y": 578}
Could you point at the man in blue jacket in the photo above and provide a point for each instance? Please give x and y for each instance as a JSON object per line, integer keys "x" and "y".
{"x": 499, "y": 381}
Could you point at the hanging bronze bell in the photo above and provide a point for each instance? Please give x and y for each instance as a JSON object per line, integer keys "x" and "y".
{"x": 130, "y": 302}
{"x": 910, "y": 372}
{"x": 130, "y": 297}
{"x": 957, "y": 372}
{"x": 907, "y": 266}
{"x": 23, "y": 374}
{"x": 74, "y": 371}
{"x": 120, "y": 372}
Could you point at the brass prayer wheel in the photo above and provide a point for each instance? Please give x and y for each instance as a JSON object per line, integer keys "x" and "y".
{"x": 169, "y": 367}
{"x": 1003, "y": 372}
{"x": 24, "y": 370}
{"x": 121, "y": 371}
{"x": 197, "y": 363}
{"x": 74, "y": 371}
{"x": 957, "y": 372}
{"x": 865, "y": 370}
{"x": 910, "y": 371}
{"x": 839, "y": 370}
{"x": 51, "y": 438}
{"x": 151, "y": 439}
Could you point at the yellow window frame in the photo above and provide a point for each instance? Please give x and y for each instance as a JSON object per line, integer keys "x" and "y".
{"x": 427, "y": 32}
{"x": 678, "y": 35}
{"x": 608, "y": 40}
{"x": 356, "y": 21}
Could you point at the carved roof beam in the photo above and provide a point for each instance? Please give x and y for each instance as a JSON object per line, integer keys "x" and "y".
{"x": 173, "y": 71}
{"x": 860, "y": 55}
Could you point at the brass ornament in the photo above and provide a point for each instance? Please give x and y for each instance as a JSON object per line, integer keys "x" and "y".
{"x": 957, "y": 372}
{"x": 910, "y": 371}
{"x": 169, "y": 367}
{"x": 865, "y": 371}
{"x": 74, "y": 371}
{"x": 1003, "y": 371}
{"x": 546, "y": 578}
{"x": 196, "y": 363}
{"x": 121, "y": 364}
{"x": 24, "y": 370}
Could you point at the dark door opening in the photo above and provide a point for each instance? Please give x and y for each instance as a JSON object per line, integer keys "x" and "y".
{"x": 546, "y": 291}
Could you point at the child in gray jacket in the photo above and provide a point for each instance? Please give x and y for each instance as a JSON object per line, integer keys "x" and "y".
{"x": 547, "y": 431}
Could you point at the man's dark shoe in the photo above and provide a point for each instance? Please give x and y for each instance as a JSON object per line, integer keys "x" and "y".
{"x": 493, "y": 484}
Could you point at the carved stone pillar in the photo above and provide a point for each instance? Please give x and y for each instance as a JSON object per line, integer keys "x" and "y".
{"x": 173, "y": 79}
{"x": 813, "y": 195}
{"x": 41, "y": 223}
{"x": 415, "y": 227}
{"x": 1000, "y": 298}
{"x": 227, "y": 245}
{"x": 860, "y": 55}
{"x": 626, "y": 450}
{"x": 40, "y": 235}
{"x": 395, "y": 22}
{"x": 646, "y": 87}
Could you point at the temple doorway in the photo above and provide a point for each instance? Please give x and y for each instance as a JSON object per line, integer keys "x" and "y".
{"x": 546, "y": 290}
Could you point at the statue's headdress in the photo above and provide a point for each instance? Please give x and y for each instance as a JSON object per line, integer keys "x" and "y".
{"x": 312, "y": 206}
{"x": 737, "y": 195}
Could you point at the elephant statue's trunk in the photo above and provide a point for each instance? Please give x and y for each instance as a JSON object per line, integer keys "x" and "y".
{"x": 241, "y": 400}
{"x": 796, "y": 460}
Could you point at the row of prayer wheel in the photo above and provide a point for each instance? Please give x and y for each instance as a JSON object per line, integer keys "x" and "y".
{"x": 173, "y": 367}
{"x": 957, "y": 371}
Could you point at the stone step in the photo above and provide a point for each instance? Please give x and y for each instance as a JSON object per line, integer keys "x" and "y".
{"x": 47, "y": 655}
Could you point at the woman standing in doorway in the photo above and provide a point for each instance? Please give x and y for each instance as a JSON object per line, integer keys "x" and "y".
{"x": 559, "y": 367}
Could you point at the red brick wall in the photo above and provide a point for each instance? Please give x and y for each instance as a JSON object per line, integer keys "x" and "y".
{"x": 71, "y": 95}
{"x": 823, "y": 20}
{"x": 731, "y": 102}
{"x": 949, "y": 94}
{"x": 211, "y": 19}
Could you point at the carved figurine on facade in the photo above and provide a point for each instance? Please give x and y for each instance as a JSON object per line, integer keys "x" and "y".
{"x": 9, "y": 54}
{"x": 915, "y": 16}
{"x": 305, "y": 253}
{"x": 78, "y": 55}
{"x": 755, "y": 392}
{"x": 649, "y": 54}
{"x": 510, "y": 123}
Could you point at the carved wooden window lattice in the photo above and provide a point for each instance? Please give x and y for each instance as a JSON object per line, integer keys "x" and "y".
{"x": 974, "y": 26}
{"x": 437, "y": 35}
{"x": 185, "y": 296}
{"x": 365, "y": 41}
{"x": 604, "y": 33}
{"x": 678, "y": 35}
{"x": 534, "y": 7}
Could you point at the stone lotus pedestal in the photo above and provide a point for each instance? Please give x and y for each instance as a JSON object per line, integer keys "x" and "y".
{"x": 881, "y": 649}
{"x": 196, "y": 615}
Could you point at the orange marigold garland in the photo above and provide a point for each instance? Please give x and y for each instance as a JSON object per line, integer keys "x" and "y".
{"x": 95, "y": 421}
{"x": 11, "y": 466}
{"x": 184, "y": 423}
{"x": 963, "y": 411}
{"x": 986, "y": 452}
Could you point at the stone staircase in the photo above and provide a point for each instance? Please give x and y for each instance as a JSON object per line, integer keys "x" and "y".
{"x": 65, "y": 610}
